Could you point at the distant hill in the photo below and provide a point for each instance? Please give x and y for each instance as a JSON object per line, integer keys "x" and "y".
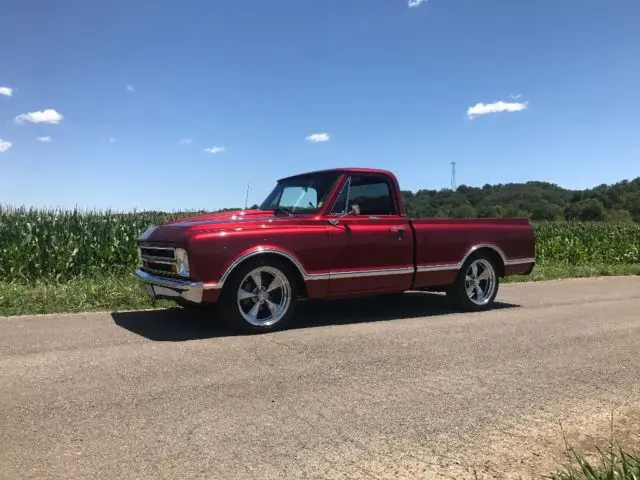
{"x": 535, "y": 200}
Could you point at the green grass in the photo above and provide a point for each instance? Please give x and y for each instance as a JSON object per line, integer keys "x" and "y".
{"x": 613, "y": 465}
{"x": 556, "y": 272}
{"x": 112, "y": 292}
{"x": 81, "y": 294}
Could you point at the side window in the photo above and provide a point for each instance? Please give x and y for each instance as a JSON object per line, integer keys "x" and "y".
{"x": 341, "y": 205}
{"x": 371, "y": 193}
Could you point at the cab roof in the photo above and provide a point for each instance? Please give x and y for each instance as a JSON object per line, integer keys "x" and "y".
{"x": 341, "y": 170}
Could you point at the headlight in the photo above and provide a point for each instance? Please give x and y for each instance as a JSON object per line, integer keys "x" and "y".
{"x": 182, "y": 262}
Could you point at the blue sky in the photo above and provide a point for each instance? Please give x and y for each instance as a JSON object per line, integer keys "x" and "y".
{"x": 389, "y": 84}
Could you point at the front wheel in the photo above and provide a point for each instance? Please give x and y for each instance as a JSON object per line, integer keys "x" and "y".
{"x": 260, "y": 296}
{"x": 477, "y": 284}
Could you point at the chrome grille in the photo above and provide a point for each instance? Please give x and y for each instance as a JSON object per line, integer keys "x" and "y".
{"x": 158, "y": 259}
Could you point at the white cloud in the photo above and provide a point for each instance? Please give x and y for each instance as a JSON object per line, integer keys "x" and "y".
{"x": 415, "y": 3}
{"x": 496, "y": 107}
{"x": 6, "y": 91}
{"x": 318, "y": 137}
{"x": 130, "y": 88}
{"x": 185, "y": 141}
{"x": 45, "y": 116}
{"x": 44, "y": 139}
{"x": 112, "y": 140}
{"x": 5, "y": 145}
{"x": 213, "y": 150}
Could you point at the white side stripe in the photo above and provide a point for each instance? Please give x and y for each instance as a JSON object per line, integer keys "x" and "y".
{"x": 371, "y": 273}
{"x": 364, "y": 273}
{"x": 458, "y": 266}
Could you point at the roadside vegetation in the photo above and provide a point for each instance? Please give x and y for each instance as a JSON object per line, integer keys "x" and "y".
{"x": 617, "y": 464}
{"x": 69, "y": 261}
{"x": 59, "y": 246}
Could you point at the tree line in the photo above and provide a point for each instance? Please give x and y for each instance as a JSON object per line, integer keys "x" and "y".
{"x": 535, "y": 200}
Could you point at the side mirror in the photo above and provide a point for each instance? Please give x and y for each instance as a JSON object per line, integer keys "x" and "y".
{"x": 355, "y": 210}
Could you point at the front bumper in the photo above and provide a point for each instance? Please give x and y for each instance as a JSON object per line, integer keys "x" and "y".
{"x": 174, "y": 288}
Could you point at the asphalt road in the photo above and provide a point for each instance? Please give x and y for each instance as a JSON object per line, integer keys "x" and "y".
{"x": 373, "y": 388}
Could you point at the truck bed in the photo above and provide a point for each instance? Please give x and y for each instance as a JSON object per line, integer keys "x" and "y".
{"x": 442, "y": 245}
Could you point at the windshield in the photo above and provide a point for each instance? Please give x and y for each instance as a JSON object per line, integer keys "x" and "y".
{"x": 301, "y": 194}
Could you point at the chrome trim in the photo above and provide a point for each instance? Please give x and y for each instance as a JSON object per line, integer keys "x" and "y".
{"x": 438, "y": 268}
{"x": 457, "y": 266}
{"x": 146, "y": 245}
{"x": 308, "y": 277}
{"x": 370, "y": 273}
{"x": 312, "y": 276}
{"x": 347, "y": 184}
{"x": 484, "y": 245}
{"x": 260, "y": 251}
{"x": 365, "y": 273}
{"x": 166, "y": 281}
{"x": 173, "y": 287}
{"x": 260, "y": 295}
{"x": 160, "y": 260}
{"x": 478, "y": 293}
{"x": 163, "y": 273}
{"x": 145, "y": 256}
{"x": 520, "y": 261}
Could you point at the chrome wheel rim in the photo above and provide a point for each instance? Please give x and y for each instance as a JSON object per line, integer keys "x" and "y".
{"x": 264, "y": 296}
{"x": 480, "y": 281}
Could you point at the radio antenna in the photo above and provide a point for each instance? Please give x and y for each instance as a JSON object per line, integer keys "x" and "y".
{"x": 453, "y": 175}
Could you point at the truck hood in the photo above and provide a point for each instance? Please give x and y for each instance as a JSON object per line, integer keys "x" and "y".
{"x": 178, "y": 231}
{"x": 222, "y": 217}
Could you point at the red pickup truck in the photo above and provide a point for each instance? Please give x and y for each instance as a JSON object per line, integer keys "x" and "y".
{"x": 328, "y": 234}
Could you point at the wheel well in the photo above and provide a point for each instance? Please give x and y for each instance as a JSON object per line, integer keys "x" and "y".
{"x": 302, "y": 286}
{"x": 495, "y": 258}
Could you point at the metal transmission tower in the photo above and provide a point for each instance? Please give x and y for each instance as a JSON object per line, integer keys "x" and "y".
{"x": 453, "y": 175}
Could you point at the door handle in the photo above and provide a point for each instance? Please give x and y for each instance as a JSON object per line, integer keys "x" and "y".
{"x": 396, "y": 230}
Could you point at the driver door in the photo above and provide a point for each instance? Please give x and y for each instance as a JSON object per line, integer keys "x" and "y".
{"x": 371, "y": 252}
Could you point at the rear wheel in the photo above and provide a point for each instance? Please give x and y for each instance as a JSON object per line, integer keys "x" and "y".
{"x": 260, "y": 295}
{"x": 477, "y": 284}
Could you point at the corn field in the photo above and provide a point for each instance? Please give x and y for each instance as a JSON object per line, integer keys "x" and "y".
{"x": 587, "y": 243}
{"x": 60, "y": 245}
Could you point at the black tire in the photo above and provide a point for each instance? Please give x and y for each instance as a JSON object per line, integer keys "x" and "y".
{"x": 271, "y": 268}
{"x": 457, "y": 292}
